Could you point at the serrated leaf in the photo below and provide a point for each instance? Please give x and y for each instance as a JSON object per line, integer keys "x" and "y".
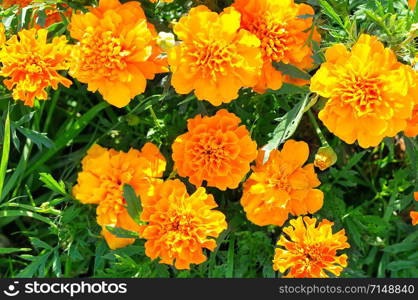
{"x": 13, "y": 250}
{"x": 291, "y": 70}
{"x": 52, "y": 184}
{"x": 122, "y": 233}
{"x": 40, "y": 139}
{"x": 134, "y": 203}
{"x": 286, "y": 128}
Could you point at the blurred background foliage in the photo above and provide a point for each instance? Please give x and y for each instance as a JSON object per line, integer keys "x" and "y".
{"x": 45, "y": 232}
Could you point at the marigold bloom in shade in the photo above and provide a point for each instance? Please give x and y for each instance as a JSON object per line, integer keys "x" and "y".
{"x": 412, "y": 124}
{"x": 215, "y": 57}
{"x": 215, "y": 149}
{"x": 308, "y": 251}
{"x": 325, "y": 158}
{"x": 117, "y": 50}
{"x": 105, "y": 172}
{"x": 32, "y": 64}
{"x": 414, "y": 214}
{"x": 284, "y": 36}
{"x": 282, "y": 186}
{"x": 370, "y": 94}
{"x": 179, "y": 225}
{"x": 20, "y": 3}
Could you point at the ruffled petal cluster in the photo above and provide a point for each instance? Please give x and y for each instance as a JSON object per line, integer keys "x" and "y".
{"x": 215, "y": 149}
{"x": 285, "y": 36}
{"x": 370, "y": 94}
{"x": 105, "y": 172}
{"x": 31, "y": 64}
{"x": 310, "y": 251}
{"x": 179, "y": 225}
{"x": 116, "y": 51}
{"x": 282, "y": 186}
{"x": 414, "y": 214}
{"x": 412, "y": 124}
{"x": 215, "y": 57}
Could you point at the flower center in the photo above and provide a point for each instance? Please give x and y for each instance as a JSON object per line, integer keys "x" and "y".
{"x": 312, "y": 254}
{"x": 103, "y": 54}
{"x": 211, "y": 58}
{"x": 363, "y": 94}
{"x": 210, "y": 152}
{"x": 273, "y": 36}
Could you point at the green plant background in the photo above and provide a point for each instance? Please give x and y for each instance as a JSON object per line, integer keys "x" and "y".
{"x": 44, "y": 232}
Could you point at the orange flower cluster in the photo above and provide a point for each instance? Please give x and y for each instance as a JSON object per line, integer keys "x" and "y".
{"x": 284, "y": 36}
{"x": 117, "y": 50}
{"x": 414, "y": 214}
{"x": 179, "y": 225}
{"x": 215, "y": 149}
{"x": 32, "y": 63}
{"x": 282, "y": 186}
{"x": 369, "y": 92}
{"x": 310, "y": 251}
{"x": 20, "y": 3}
{"x": 215, "y": 58}
{"x": 101, "y": 182}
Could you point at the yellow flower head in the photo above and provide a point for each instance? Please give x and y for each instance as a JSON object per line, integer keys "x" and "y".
{"x": 283, "y": 34}
{"x": 215, "y": 57}
{"x": 282, "y": 186}
{"x": 32, "y": 64}
{"x": 215, "y": 149}
{"x": 101, "y": 182}
{"x": 116, "y": 52}
{"x": 310, "y": 251}
{"x": 370, "y": 94}
{"x": 179, "y": 225}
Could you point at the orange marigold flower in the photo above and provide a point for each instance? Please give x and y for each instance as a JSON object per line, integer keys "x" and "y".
{"x": 20, "y": 3}
{"x": 215, "y": 57}
{"x": 215, "y": 149}
{"x": 310, "y": 251}
{"x": 414, "y": 214}
{"x": 282, "y": 186}
{"x": 325, "y": 158}
{"x": 284, "y": 36}
{"x": 117, "y": 50}
{"x": 412, "y": 124}
{"x": 2, "y": 35}
{"x": 412, "y": 4}
{"x": 180, "y": 225}
{"x": 33, "y": 64}
{"x": 105, "y": 172}
{"x": 371, "y": 94}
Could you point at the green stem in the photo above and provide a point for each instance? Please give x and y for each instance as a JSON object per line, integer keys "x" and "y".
{"x": 6, "y": 149}
{"x": 154, "y": 117}
{"x": 318, "y": 131}
{"x": 51, "y": 109}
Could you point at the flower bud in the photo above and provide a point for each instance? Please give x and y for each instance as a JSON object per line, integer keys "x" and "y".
{"x": 166, "y": 40}
{"x": 325, "y": 158}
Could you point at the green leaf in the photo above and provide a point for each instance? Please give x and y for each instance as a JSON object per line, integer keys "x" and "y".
{"x": 287, "y": 126}
{"x": 291, "y": 70}
{"x": 134, "y": 203}
{"x": 37, "y": 243}
{"x": 6, "y": 149}
{"x": 63, "y": 140}
{"x": 402, "y": 264}
{"x": 13, "y": 250}
{"x": 122, "y": 233}
{"x": 22, "y": 213}
{"x": 34, "y": 266}
{"x": 40, "y": 139}
{"x": 230, "y": 258}
{"x": 330, "y": 12}
{"x": 52, "y": 184}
